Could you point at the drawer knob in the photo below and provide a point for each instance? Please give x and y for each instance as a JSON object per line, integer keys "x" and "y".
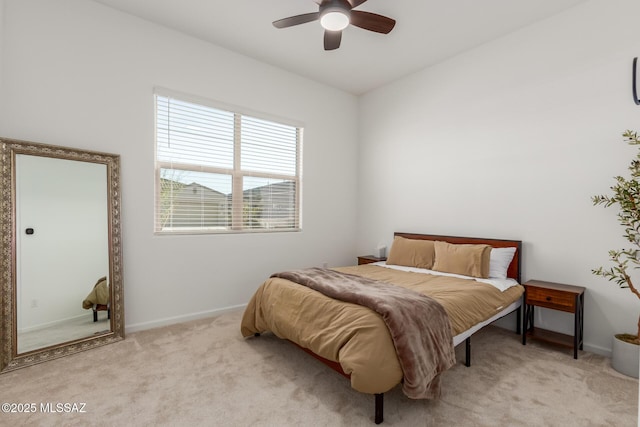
{"x": 548, "y": 298}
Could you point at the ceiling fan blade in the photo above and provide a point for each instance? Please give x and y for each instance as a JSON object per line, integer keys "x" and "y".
{"x": 356, "y": 3}
{"x": 296, "y": 20}
{"x": 372, "y": 21}
{"x": 332, "y": 39}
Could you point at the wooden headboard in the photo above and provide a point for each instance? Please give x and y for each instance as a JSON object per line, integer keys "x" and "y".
{"x": 514, "y": 268}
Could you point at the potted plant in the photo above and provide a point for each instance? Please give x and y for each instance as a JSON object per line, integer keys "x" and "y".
{"x": 626, "y": 194}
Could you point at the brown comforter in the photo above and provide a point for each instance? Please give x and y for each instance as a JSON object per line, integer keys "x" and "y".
{"x": 418, "y": 325}
{"x": 356, "y": 336}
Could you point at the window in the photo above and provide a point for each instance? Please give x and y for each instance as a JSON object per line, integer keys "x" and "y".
{"x": 220, "y": 171}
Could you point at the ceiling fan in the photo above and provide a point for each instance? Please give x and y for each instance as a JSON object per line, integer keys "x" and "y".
{"x": 335, "y": 16}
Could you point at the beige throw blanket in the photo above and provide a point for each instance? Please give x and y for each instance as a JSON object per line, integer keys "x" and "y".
{"x": 418, "y": 325}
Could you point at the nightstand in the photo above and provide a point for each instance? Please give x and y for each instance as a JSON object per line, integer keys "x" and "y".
{"x": 555, "y": 296}
{"x": 368, "y": 259}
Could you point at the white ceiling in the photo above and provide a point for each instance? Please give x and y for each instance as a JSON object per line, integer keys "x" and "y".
{"x": 426, "y": 32}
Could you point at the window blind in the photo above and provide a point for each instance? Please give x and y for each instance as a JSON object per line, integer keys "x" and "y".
{"x": 220, "y": 171}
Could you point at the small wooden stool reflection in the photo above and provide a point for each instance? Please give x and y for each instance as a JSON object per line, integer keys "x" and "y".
{"x": 101, "y": 307}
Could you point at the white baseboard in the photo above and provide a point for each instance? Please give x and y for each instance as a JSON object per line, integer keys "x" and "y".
{"x": 596, "y": 349}
{"x": 179, "y": 319}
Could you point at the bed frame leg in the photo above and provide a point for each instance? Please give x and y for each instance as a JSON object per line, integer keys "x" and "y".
{"x": 519, "y": 320}
{"x": 379, "y": 407}
{"x": 467, "y": 352}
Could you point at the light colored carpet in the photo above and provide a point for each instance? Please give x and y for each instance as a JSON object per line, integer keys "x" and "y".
{"x": 204, "y": 373}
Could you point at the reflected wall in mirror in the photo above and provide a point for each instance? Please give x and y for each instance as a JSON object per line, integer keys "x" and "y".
{"x": 61, "y": 287}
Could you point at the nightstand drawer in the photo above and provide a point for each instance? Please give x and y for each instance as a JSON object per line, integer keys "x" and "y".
{"x": 551, "y": 298}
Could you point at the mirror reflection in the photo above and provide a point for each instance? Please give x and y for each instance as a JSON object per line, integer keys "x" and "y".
{"x": 62, "y": 250}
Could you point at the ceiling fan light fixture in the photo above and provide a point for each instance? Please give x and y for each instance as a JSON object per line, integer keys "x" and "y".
{"x": 334, "y": 19}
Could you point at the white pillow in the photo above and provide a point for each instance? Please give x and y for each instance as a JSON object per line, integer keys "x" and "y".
{"x": 499, "y": 262}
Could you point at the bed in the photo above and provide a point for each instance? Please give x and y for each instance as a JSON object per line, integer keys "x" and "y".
{"x": 347, "y": 317}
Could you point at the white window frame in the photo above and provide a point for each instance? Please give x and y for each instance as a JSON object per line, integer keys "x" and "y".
{"x": 236, "y": 173}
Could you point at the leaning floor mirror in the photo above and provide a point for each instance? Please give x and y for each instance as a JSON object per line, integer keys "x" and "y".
{"x": 61, "y": 286}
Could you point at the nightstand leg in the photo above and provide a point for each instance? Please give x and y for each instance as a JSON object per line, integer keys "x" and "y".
{"x": 524, "y": 325}
{"x": 581, "y": 320}
{"x": 576, "y": 328}
{"x": 527, "y": 323}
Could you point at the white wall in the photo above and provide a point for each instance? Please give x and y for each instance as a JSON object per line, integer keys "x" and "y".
{"x": 511, "y": 140}
{"x": 79, "y": 74}
{"x": 507, "y": 140}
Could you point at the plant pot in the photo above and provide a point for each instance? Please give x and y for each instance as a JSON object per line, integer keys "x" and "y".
{"x": 625, "y": 357}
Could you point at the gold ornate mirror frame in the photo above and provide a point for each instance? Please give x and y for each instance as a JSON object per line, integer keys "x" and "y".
{"x": 10, "y": 359}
